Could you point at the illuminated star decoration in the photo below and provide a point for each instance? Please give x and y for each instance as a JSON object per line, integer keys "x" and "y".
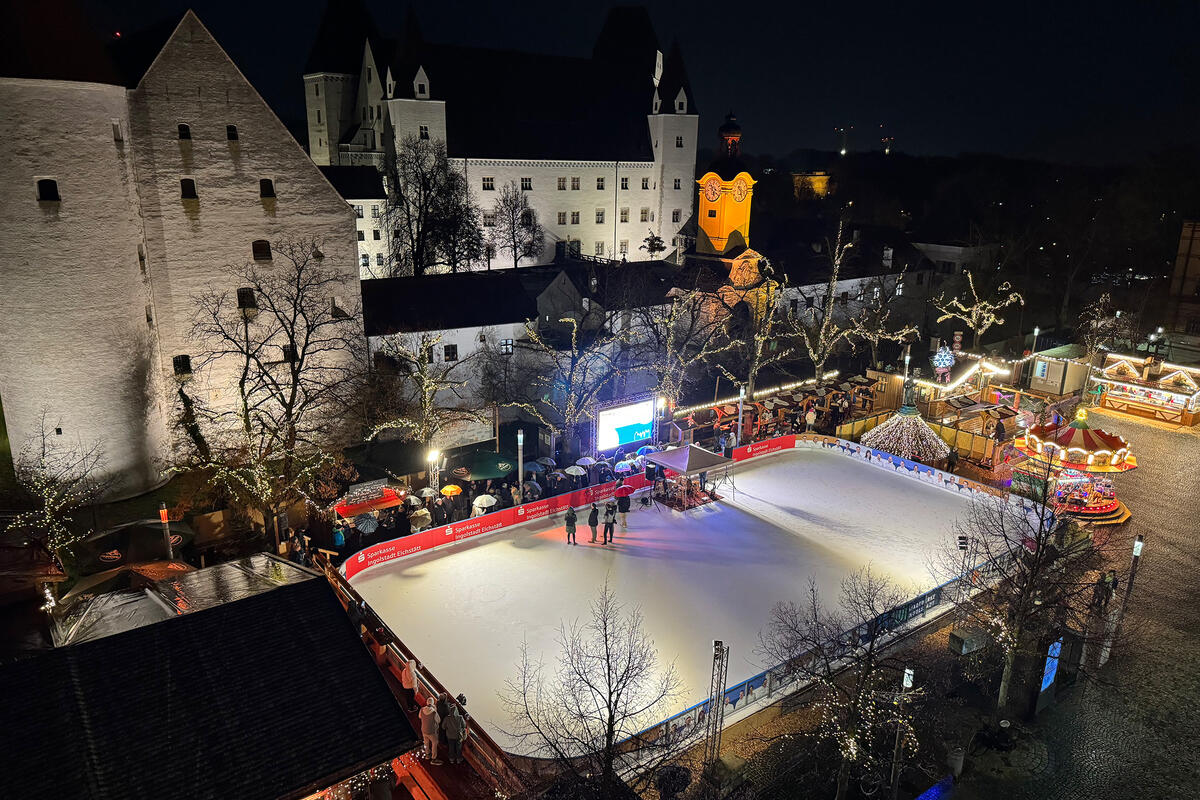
{"x": 943, "y": 360}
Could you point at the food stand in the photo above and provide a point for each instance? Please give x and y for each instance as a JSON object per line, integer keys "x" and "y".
{"x": 1152, "y": 389}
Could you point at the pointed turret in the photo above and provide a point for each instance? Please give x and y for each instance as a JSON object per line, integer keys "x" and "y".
{"x": 674, "y": 89}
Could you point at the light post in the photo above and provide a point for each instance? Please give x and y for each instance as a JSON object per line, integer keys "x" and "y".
{"x": 1036, "y": 331}
{"x": 737, "y": 437}
{"x": 907, "y": 358}
{"x": 520, "y": 465}
{"x": 905, "y": 685}
{"x": 1138, "y": 543}
{"x": 432, "y": 457}
{"x": 162, "y": 515}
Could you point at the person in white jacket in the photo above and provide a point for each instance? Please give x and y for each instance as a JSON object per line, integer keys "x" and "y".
{"x": 408, "y": 680}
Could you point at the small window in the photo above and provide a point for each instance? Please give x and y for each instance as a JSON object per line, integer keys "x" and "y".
{"x": 379, "y": 259}
{"x": 680, "y": 106}
{"x": 317, "y": 89}
{"x": 428, "y": 354}
{"x": 379, "y": 112}
{"x": 187, "y": 189}
{"x": 396, "y": 233}
{"x": 562, "y": 218}
{"x": 489, "y": 219}
{"x": 261, "y": 249}
{"x": 624, "y": 249}
{"x": 506, "y": 346}
{"x": 450, "y": 352}
{"x": 489, "y": 184}
{"x": 117, "y": 137}
{"x": 185, "y": 131}
{"x": 574, "y": 217}
{"x": 645, "y": 183}
{"x": 365, "y": 260}
{"x": 875, "y": 293}
{"x": 599, "y": 250}
{"x": 318, "y": 116}
{"x": 47, "y": 190}
{"x": 562, "y": 184}
{"x": 374, "y": 212}
{"x": 358, "y": 211}
{"x": 1041, "y": 368}
{"x": 246, "y": 300}
{"x": 527, "y": 217}
{"x": 149, "y": 314}
{"x": 645, "y": 215}
{"x": 677, "y": 184}
{"x": 808, "y": 302}
{"x": 900, "y": 289}
{"x": 421, "y": 89}
{"x": 624, "y": 183}
{"x": 599, "y": 216}
{"x": 574, "y": 184}
{"x": 862, "y": 293}
{"x": 362, "y": 236}
{"x": 679, "y": 141}
{"x": 600, "y": 184}
{"x": 182, "y": 366}
{"x": 58, "y": 431}
{"x": 288, "y": 354}
{"x": 375, "y": 234}
{"x": 675, "y": 215}
{"x": 266, "y": 188}
{"x": 844, "y": 298}
{"x": 526, "y": 184}
{"x": 624, "y": 215}
{"x": 423, "y": 132}
{"x": 231, "y": 132}
{"x": 368, "y": 74}
{"x": 712, "y": 212}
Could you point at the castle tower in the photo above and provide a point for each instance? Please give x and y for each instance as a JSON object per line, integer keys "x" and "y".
{"x": 726, "y": 191}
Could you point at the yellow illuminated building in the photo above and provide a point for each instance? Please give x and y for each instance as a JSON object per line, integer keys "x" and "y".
{"x": 726, "y": 192}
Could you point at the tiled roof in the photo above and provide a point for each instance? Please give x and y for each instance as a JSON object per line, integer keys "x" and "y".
{"x": 265, "y": 697}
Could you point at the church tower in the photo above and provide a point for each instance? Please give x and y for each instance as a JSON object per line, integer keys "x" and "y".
{"x": 726, "y": 191}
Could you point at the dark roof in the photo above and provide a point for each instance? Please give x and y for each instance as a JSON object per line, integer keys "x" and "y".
{"x": 266, "y": 697}
{"x": 344, "y": 30}
{"x": 356, "y": 183}
{"x": 674, "y": 78}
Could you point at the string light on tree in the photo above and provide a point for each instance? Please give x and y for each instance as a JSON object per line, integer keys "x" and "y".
{"x": 977, "y": 312}
{"x": 906, "y": 435}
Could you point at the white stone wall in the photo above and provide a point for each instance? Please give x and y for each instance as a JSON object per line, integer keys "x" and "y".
{"x": 328, "y": 99}
{"x": 369, "y": 247}
{"x": 75, "y": 338}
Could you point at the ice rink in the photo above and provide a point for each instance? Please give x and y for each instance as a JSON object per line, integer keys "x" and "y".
{"x": 710, "y": 573}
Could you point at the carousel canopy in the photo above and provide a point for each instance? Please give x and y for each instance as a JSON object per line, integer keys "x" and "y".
{"x": 1077, "y": 446}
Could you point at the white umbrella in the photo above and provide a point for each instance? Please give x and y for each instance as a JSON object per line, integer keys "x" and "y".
{"x": 586, "y": 461}
{"x": 574, "y": 470}
{"x": 546, "y": 461}
{"x": 485, "y": 501}
{"x": 429, "y": 491}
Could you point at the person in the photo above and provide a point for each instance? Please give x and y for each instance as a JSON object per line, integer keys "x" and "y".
{"x": 1100, "y": 591}
{"x": 455, "y": 728}
{"x": 408, "y": 682}
{"x": 952, "y": 460}
{"x": 339, "y": 538}
{"x": 310, "y": 555}
{"x": 478, "y": 510}
{"x": 516, "y": 495}
{"x": 441, "y": 514}
{"x": 430, "y": 722}
{"x": 703, "y": 476}
{"x": 999, "y": 432}
{"x": 295, "y": 553}
{"x": 623, "y": 510}
{"x": 593, "y": 521}
{"x": 845, "y": 408}
{"x": 1113, "y": 582}
{"x": 610, "y": 521}
{"x": 571, "y": 517}
{"x": 810, "y": 418}
{"x": 444, "y": 705}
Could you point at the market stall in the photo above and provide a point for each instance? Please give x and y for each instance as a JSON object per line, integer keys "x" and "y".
{"x": 1152, "y": 389}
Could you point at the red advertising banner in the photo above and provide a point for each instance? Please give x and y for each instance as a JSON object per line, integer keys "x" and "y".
{"x": 763, "y": 448}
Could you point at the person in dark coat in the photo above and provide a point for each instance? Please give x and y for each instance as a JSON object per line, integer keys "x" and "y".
{"x": 594, "y": 521}
{"x": 444, "y": 704}
{"x": 402, "y": 523}
{"x": 610, "y": 521}
{"x": 623, "y": 510}
{"x": 441, "y": 515}
{"x": 952, "y": 460}
{"x": 999, "y": 432}
{"x": 571, "y": 517}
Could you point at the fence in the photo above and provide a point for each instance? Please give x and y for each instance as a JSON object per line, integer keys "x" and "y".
{"x": 854, "y": 429}
{"x": 975, "y": 446}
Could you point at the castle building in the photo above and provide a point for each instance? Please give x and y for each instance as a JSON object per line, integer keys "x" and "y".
{"x": 604, "y": 146}
{"x": 135, "y": 175}
{"x": 362, "y": 188}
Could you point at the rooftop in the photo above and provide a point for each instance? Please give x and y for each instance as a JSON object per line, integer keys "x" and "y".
{"x": 356, "y": 183}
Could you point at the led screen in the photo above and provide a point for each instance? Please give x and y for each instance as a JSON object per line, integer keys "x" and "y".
{"x": 623, "y": 425}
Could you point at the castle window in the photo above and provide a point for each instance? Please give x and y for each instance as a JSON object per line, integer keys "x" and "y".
{"x": 677, "y": 184}
{"x": 599, "y": 250}
{"x": 645, "y": 183}
{"x": 624, "y": 215}
{"x": 374, "y": 212}
{"x": 562, "y": 184}
{"x": 266, "y": 188}
{"x": 317, "y": 89}
{"x": 362, "y": 236}
{"x": 247, "y": 302}
{"x": 624, "y": 247}
{"x": 489, "y": 219}
{"x": 681, "y": 106}
{"x": 182, "y": 367}
{"x": 526, "y": 184}
{"x": 600, "y": 184}
{"x": 318, "y": 116}
{"x": 288, "y": 354}
{"x": 368, "y": 74}
{"x": 599, "y": 216}
{"x": 365, "y": 260}
{"x": 562, "y": 218}
{"x": 261, "y": 249}
{"x": 424, "y": 132}
{"x": 358, "y": 211}
{"x": 231, "y": 131}
{"x": 489, "y": 184}
{"x": 506, "y": 346}
{"x": 375, "y": 234}
{"x": 574, "y": 184}
{"x": 421, "y": 90}
{"x": 527, "y": 217}
{"x": 679, "y": 141}
{"x": 187, "y": 189}
{"x": 185, "y": 131}
{"x": 574, "y": 217}
{"x": 624, "y": 183}
{"x": 675, "y": 215}
{"x": 450, "y": 352}
{"x": 645, "y": 215}
{"x": 47, "y": 190}
{"x": 844, "y": 298}
{"x": 379, "y": 259}
{"x": 900, "y": 289}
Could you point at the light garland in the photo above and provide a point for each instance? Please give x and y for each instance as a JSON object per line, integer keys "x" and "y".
{"x": 906, "y": 435}
{"x": 683, "y": 412}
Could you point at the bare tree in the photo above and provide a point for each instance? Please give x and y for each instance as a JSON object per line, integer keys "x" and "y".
{"x": 757, "y": 333}
{"x": 978, "y": 313}
{"x": 290, "y": 342}
{"x": 517, "y": 232}
{"x": 872, "y": 322}
{"x": 840, "y": 651}
{"x": 1101, "y": 326}
{"x": 57, "y": 478}
{"x": 672, "y": 339}
{"x": 817, "y": 325}
{"x": 586, "y": 710}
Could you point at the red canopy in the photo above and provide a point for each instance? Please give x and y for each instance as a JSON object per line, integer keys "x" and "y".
{"x": 390, "y": 499}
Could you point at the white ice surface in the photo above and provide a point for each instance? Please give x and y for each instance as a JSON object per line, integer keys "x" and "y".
{"x": 711, "y": 573}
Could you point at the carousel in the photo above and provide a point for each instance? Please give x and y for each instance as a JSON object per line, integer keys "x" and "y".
{"x": 1072, "y": 466}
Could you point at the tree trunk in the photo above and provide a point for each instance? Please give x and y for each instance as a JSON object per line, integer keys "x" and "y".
{"x": 843, "y": 780}
{"x": 1010, "y": 664}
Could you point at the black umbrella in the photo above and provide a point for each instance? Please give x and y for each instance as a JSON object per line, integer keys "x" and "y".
{"x": 367, "y": 523}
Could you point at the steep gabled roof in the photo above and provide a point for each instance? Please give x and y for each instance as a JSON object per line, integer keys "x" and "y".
{"x": 345, "y": 26}
{"x": 356, "y": 183}
{"x": 674, "y": 78}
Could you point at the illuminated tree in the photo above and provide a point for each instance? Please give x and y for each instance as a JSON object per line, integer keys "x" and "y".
{"x": 906, "y": 435}
{"x": 871, "y": 323}
{"x": 517, "y": 231}
{"x": 977, "y": 313}
{"x": 757, "y": 333}
{"x": 817, "y": 325}
{"x": 1101, "y": 326}
{"x": 672, "y": 339}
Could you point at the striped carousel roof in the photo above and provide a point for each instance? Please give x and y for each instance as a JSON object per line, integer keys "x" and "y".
{"x": 1077, "y": 446}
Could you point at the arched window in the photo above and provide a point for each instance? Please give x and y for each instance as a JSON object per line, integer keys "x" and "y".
{"x": 261, "y": 249}
{"x": 185, "y": 131}
{"x": 187, "y": 189}
{"x": 231, "y": 133}
{"x": 47, "y": 190}
{"x": 266, "y": 188}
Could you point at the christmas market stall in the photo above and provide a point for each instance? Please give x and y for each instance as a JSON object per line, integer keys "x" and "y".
{"x": 1073, "y": 465}
{"x": 1146, "y": 387}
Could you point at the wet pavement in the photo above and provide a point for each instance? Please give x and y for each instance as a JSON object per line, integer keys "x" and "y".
{"x": 1138, "y": 736}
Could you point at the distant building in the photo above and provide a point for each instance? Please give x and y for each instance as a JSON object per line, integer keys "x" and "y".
{"x": 134, "y": 176}
{"x": 813, "y": 183}
{"x": 953, "y": 258}
{"x": 605, "y": 146}
{"x": 362, "y": 188}
{"x": 1183, "y": 304}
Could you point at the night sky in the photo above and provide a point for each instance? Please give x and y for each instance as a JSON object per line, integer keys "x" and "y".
{"x": 1099, "y": 82}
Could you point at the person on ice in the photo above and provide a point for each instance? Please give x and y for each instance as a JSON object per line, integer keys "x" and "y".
{"x": 430, "y": 722}
{"x": 610, "y": 520}
{"x": 623, "y": 510}
{"x": 571, "y": 517}
{"x": 593, "y": 521}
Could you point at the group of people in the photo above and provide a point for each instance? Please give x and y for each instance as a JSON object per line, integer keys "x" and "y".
{"x": 611, "y": 513}
{"x": 443, "y": 722}
{"x": 1106, "y": 587}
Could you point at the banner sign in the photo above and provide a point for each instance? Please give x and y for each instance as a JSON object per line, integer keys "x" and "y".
{"x": 765, "y": 447}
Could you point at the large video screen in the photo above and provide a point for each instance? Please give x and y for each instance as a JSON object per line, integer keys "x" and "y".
{"x": 624, "y": 425}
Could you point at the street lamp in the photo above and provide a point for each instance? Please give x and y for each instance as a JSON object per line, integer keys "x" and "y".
{"x": 905, "y": 685}
{"x": 1036, "y": 331}
{"x": 432, "y": 457}
{"x": 520, "y": 465}
{"x": 737, "y": 437}
{"x": 162, "y": 515}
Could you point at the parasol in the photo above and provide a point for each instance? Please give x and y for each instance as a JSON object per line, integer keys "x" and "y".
{"x": 367, "y": 523}
{"x": 546, "y": 461}
{"x": 451, "y": 489}
{"x": 641, "y": 451}
{"x": 429, "y": 491}
{"x": 624, "y": 466}
{"x": 574, "y": 470}
{"x": 485, "y": 501}
{"x": 586, "y": 461}
{"x": 624, "y": 491}
{"x": 533, "y": 466}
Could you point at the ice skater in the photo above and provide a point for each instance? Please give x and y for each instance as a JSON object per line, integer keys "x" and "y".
{"x": 593, "y": 521}
{"x": 623, "y": 510}
{"x": 571, "y": 517}
{"x": 610, "y": 521}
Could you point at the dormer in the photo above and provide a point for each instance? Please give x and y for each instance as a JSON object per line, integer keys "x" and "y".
{"x": 681, "y": 104}
{"x": 656, "y": 102}
{"x": 389, "y": 85}
{"x": 421, "y": 85}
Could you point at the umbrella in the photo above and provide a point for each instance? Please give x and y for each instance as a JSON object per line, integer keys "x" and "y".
{"x": 546, "y": 461}
{"x": 532, "y": 486}
{"x": 845, "y": 386}
{"x": 367, "y": 523}
{"x": 624, "y": 491}
{"x": 483, "y": 465}
{"x": 413, "y": 500}
{"x": 533, "y": 466}
{"x": 586, "y": 461}
{"x": 558, "y": 474}
{"x": 420, "y": 518}
{"x": 485, "y": 501}
{"x": 624, "y": 466}
{"x": 860, "y": 379}
{"x": 429, "y": 491}
{"x": 821, "y": 392}
{"x": 574, "y": 470}
{"x": 641, "y": 451}
{"x": 451, "y": 489}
